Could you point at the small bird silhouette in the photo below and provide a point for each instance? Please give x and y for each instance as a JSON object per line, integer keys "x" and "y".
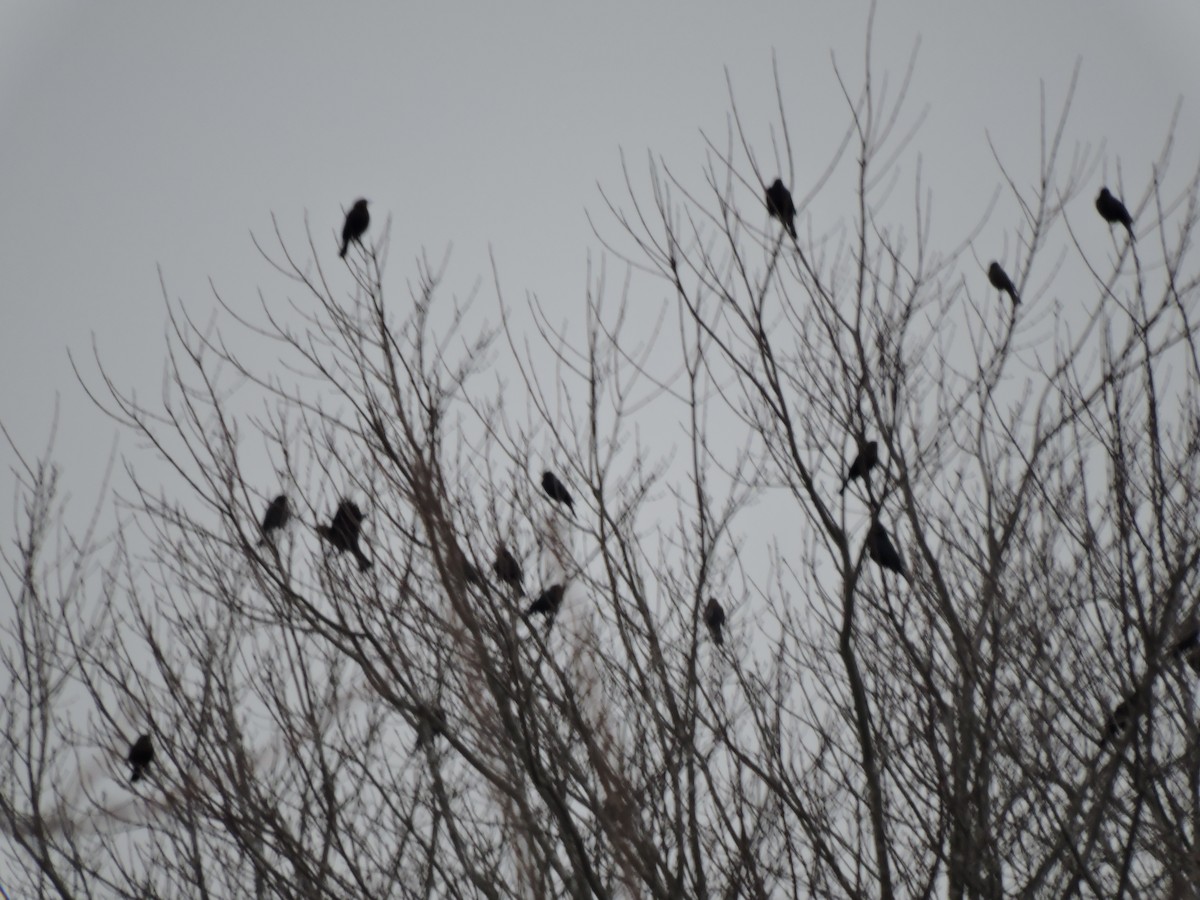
{"x": 356, "y": 224}
{"x": 864, "y": 462}
{"x": 780, "y": 205}
{"x": 883, "y": 552}
{"x": 507, "y": 569}
{"x": 714, "y": 618}
{"x": 1001, "y": 282}
{"x": 276, "y": 517}
{"x": 431, "y": 723}
{"x": 556, "y": 490}
{"x": 343, "y": 532}
{"x": 1125, "y": 713}
{"x": 1113, "y": 210}
{"x": 141, "y": 754}
{"x": 547, "y": 602}
{"x": 1187, "y": 645}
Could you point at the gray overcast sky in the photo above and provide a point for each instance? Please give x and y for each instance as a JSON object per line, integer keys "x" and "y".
{"x": 143, "y": 134}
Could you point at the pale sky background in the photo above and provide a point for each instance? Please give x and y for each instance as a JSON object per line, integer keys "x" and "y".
{"x": 137, "y": 135}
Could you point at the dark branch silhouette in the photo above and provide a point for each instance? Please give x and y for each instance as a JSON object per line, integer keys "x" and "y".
{"x": 556, "y": 490}
{"x": 864, "y": 462}
{"x": 343, "y": 532}
{"x": 780, "y": 205}
{"x": 356, "y": 224}
{"x": 714, "y": 618}
{"x": 1001, "y": 282}
{"x": 1113, "y": 210}
{"x": 141, "y": 754}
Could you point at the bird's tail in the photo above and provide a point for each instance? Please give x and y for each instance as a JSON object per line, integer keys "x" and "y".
{"x": 363, "y": 562}
{"x": 345, "y": 247}
{"x": 791, "y": 227}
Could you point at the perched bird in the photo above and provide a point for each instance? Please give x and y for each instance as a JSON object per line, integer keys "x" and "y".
{"x": 276, "y": 517}
{"x": 431, "y": 723}
{"x": 1113, "y": 210}
{"x": 780, "y": 205}
{"x": 507, "y": 569}
{"x": 343, "y": 531}
{"x": 357, "y": 221}
{"x": 556, "y": 490}
{"x": 714, "y": 618}
{"x": 882, "y": 551}
{"x": 1187, "y": 645}
{"x": 1001, "y": 282}
{"x": 864, "y": 462}
{"x": 471, "y": 573}
{"x": 141, "y": 754}
{"x": 548, "y": 602}
{"x": 1124, "y": 714}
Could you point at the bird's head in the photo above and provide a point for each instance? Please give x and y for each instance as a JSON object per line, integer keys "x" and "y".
{"x": 1104, "y": 195}
{"x": 361, "y": 203}
{"x": 777, "y": 184}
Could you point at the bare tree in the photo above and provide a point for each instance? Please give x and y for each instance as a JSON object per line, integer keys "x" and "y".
{"x": 946, "y": 722}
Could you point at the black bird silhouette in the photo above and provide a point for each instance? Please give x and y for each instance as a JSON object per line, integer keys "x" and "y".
{"x": 507, "y": 569}
{"x": 471, "y": 573}
{"x": 1187, "y": 645}
{"x": 548, "y": 602}
{"x": 141, "y": 754}
{"x": 431, "y": 723}
{"x": 780, "y": 205}
{"x": 1125, "y": 713}
{"x": 1001, "y": 282}
{"x": 864, "y": 462}
{"x": 1113, "y": 210}
{"x": 276, "y": 517}
{"x": 882, "y": 551}
{"x": 356, "y": 224}
{"x": 714, "y": 618}
{"x": 556, "y": 490}
{"x": 343, "y": 532}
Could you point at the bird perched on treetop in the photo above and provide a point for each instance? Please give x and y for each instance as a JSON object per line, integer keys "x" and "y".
{"x": 548, "y": 602}
{"x": 1113, "y": 210}
{"x": 556, "y": 490}
{"x": 1001, "y": 282}
{"x": 780, "y": 205}
{"x": 882, "y": 551}
{"x": 141, "y": 754}
{"x": 356, "y": 224}
{"x": 507, "y": 569}
{"x": 276, "y": 517}
{"x": 714, "y": 618}
{"x": 343, "y": 532}
{"x": 864, "y": 462}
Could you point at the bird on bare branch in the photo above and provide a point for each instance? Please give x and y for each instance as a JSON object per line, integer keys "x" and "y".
{"x": 343, "y": 532}
{"x": 556, "y": 490}
{"x": 780, "y": 205}
{"x": 883, "y": 552}
{"x": 508, "y": 570}
{"x": 1113, "y": 210}
{"x": 1001, "y": 282}
{"x": 714, "y": 618}
{"x": 1187, "y": 644}
{"x": 355, "y": 226}
{"x": 141, "y": 754}
{"x": 547, "y": 602}
{"x": 866, "y": 459}
{"x": 275, "y": 518}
